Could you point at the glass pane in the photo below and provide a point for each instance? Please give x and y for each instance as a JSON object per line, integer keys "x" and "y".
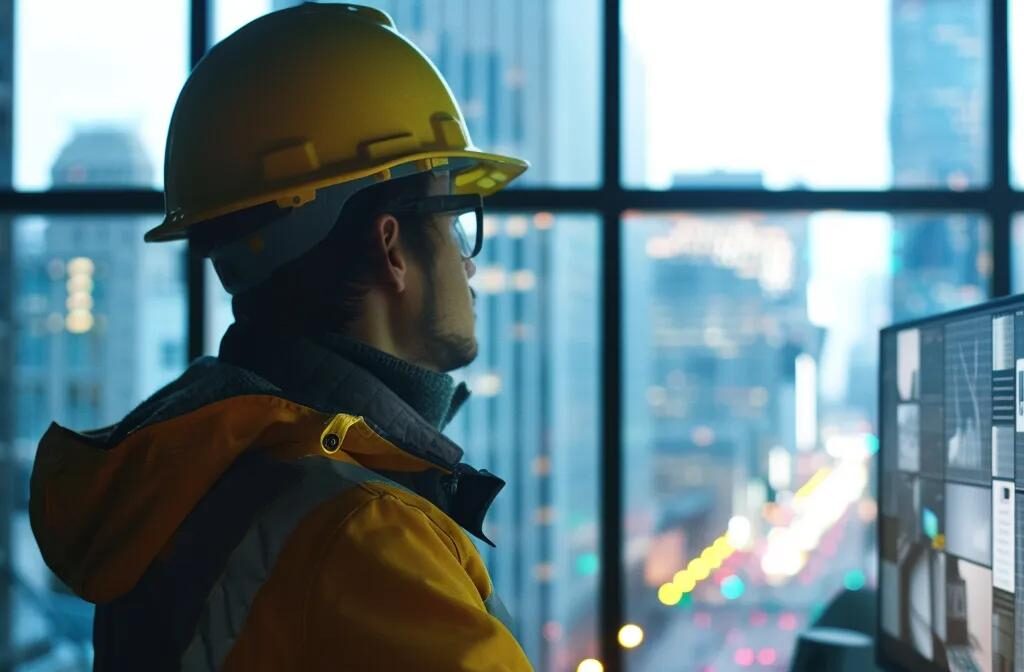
{"x": 92, "y": 98}
{"x": 533, "y": 420}
{"x": 524, "y": 88}
{"x": 790, "y": 98}
{"x": 98, "y": 324}
{"x": 218, "y": 311}
{"x": 1017, "y": 256}
{"x": 1016, "y": 10}
{"x": 751, "y": 381}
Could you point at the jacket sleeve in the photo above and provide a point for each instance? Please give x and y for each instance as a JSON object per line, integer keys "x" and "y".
{"x": 392, "y": 593}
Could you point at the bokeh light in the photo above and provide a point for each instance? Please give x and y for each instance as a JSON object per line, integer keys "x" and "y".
{"x": 631, "y": 636}
{"x": 733, "y": 588}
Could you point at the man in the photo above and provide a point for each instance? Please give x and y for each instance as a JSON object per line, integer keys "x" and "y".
{"x": 292, "y": 503}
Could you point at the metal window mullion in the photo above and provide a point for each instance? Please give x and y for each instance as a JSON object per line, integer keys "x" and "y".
{"x": 1003, "y": 200}
{"x": 611, "y": 500}
{"x": 8, "y": 485}
{"x": 577, "y": 200}
{"x": 199, "y": 39}
{"x": 150, "y": 202}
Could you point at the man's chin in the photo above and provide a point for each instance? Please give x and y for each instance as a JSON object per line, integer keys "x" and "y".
{"x": 469, "y": 354}
{"x": 456, "y": 352}
{"x": 472, "y": 354}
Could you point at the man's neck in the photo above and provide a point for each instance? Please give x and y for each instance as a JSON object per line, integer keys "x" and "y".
{"x": 432, "y": 394}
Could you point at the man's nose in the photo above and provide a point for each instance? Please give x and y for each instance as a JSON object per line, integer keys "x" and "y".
{"x": 470, "y": 268}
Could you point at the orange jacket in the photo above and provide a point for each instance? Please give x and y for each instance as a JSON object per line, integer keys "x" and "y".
{"x": 246, "y": 531}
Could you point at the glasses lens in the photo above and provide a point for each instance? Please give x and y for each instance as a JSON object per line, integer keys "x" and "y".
{"x": 465, "y": 233}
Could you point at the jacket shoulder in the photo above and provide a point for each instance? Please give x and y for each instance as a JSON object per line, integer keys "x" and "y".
{"x": 380, "y": 507}
{"x": 366, "y": 561}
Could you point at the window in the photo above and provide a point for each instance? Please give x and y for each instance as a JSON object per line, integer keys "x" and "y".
{"x": 533, "y": 419}
{"x": 750, "y": 374}
{"x": 784, "y": 95}
{"x": 784, "y": 180}
{"x": 524, "y": 86}
{"x": 92, "y": 99}
{"x": 83, "y": 358}
{"x": 1016, "y": 67}
{"x": 218, "y": 311}
{"x": 172, "y": 354}
{"x": 1017, "y": 285}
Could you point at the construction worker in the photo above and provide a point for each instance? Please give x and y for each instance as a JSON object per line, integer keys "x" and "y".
{"x": 292, "y": 503}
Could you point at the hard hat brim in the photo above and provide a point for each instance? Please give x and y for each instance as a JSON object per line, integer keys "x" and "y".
{"x": 485, "y": 174}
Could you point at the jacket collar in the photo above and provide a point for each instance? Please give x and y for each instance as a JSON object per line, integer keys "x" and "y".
{"x": 312, "y": 375}
{"x": 433, "y": 395}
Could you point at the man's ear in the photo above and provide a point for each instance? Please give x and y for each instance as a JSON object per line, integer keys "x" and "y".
{"x": 392, "y": 264}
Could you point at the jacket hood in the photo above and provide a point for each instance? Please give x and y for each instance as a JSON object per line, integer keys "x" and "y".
{"x": 104, "y": 504}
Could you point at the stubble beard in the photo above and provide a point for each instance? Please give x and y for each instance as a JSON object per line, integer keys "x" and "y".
{"x": 448, "y": 351}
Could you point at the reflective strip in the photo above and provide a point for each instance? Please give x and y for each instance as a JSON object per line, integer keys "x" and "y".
{"x": 496, "y": 608}
{"x": 253, "y": 560}
{"x": 156, "y": 619}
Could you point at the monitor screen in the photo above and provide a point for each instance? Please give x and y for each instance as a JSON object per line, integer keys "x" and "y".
{"x": 951, "y": 571}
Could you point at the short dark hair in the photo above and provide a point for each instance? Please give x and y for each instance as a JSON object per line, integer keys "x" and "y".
{"x": 323, "y": 289}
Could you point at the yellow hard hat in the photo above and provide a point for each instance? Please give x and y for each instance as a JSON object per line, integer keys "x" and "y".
{"x": 307, "y": 98}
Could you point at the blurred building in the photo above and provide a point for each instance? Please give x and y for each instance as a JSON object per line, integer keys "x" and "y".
{"x": 939, "y": 257}
{"x": 7, "y": 302}
{"x": 102, "y": 315}
{"x": 102, "y": 157}
{"x": 703, "y": 375}
{"x": 99, "y": 325}
{"x": 940, "y": 95}
{"x": 515, "y": 76}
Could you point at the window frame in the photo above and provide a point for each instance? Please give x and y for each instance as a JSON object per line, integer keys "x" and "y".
{"x": 998, "y": 201}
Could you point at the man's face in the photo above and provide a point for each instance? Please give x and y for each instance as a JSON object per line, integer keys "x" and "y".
{"x": 447, "y": 321}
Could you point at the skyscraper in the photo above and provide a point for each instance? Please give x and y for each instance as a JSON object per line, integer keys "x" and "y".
{"x": 99, "y": 324}
{"x": 938, "y": 132}
{"x": 129, "y": 337}
{"x": 938, "y": 126}
{"x": 717, "y": 308}
{"x": 7, "y": 301}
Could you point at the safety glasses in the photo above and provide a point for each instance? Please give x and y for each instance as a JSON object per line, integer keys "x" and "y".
{"x": 467, "y": 211}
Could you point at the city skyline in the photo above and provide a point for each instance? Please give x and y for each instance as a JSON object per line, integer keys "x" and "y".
{"x": 46, "y": 115}
{"x": 714, "y": 388}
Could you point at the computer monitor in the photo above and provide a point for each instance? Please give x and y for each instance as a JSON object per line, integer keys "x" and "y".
{"x": 951, "y": 467}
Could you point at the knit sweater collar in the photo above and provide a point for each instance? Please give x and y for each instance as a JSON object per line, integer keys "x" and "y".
{"x": 433, "y": 395}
